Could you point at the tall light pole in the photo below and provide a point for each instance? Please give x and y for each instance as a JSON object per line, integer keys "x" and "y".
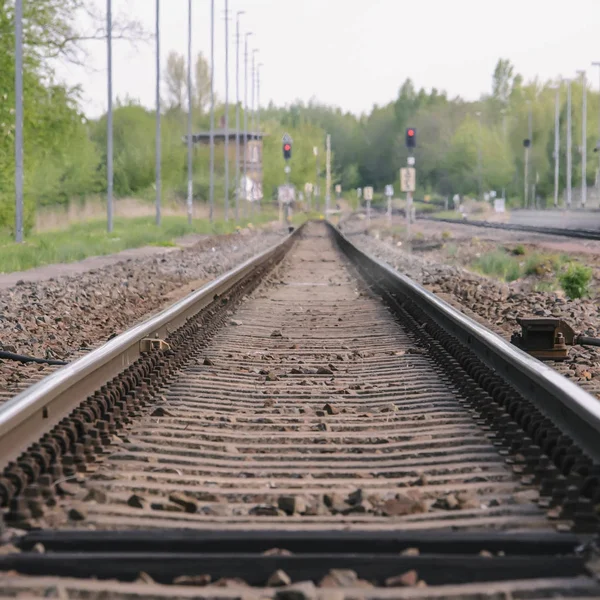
{"x": 158, "y": 182}
{"x": 258, "y": 137}
{"x": 190, "y": 185}
{"x": 252, "y": 113}
{"x": 237, "y": 114}
{"x": 479, "y": 160}
{"x": 556, "y": 144}
{"x": 583, "y": 139}
{"x": 109, "y": 121}
{"x": 245, "y": 206}
{"x": 211, "y": 189}
{"x": 597, "y": 148}
{"x": 317, "y": 190}
{"x": 253, "y": 110}
{"x": 226, "y": 110}
{"x": 19, "y": 121}
{"x": 527, "y": 150}
{"x": 569, "y": 144}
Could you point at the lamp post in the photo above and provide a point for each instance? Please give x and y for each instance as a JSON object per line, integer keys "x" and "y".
{"x": 245, "y": 206}
{"x": 237, "y": 114}
{"x": 583, "y": 139}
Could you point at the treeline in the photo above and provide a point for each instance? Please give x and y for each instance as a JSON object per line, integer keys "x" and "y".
{"x": 463, "y": 147}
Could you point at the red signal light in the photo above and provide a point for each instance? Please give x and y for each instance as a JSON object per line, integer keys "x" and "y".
{"x": 411, "y": 132}
{"x": 287, "y": 147}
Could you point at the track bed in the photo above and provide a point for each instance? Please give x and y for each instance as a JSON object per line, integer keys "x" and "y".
{"x": 317, "y": 414}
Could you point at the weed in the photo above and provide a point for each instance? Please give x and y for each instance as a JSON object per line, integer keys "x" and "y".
{"x": 575, "y": 281}
{"x": 451, "y": 250}
{"x": 419, "y": 235}
{"x": 498, "y": 264}
{"x": 544, "y": 286}
{"x": 446, "y": 235}
{"x": 518, "y": 250}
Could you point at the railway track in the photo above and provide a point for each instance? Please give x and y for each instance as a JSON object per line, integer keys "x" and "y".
{"x": 310, "y": 420}
{"x": 586, "y": 234}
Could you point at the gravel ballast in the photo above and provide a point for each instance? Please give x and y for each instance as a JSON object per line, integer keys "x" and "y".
{"x": 64, "y": 317}
{"x": 495, "y": 304}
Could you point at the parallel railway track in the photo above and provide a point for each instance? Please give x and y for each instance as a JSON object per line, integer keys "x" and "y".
{"x": 315, "y": 402}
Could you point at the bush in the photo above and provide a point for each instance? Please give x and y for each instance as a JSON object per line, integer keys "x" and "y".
{"x": 446, "y": 235}
{"x": 518, "y": 250}
{"x": 575, "y": 281}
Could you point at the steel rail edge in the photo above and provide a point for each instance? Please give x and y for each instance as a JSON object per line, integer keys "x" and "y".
{"x": 586, "y": 234}
{"x": 51, "y": 399}
{"x": 574, "y": 410}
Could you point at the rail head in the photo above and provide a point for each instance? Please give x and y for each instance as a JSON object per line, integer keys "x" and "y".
{"x": 45, "y": 403}
{"x": 571, "y": 408}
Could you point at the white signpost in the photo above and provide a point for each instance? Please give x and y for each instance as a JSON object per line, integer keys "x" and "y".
{"x": 308, "y": 188}
{"x": 408, "y": 179}
{"x": 286, "y": 194}
{"x": 408, "y": 184}
{"x": 368, "y": 194}
{"x": 389, "y": 192}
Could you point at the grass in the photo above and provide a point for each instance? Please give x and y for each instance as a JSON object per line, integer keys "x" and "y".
{"x": 498, "y": 264}
{"x": 448, "y": 214}
{"x": 91, "y": 239}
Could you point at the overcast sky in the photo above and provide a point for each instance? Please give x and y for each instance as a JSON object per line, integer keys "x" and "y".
{"x": 356, "y": 53}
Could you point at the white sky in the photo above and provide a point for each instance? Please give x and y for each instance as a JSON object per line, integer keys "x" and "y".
{"x": 356, "y": 53}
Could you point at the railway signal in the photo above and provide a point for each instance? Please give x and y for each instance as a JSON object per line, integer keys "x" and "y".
{"x": 287, "y": 146}
{"x": 411, "y": 137}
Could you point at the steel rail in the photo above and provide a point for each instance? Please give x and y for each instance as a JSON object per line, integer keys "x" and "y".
{"x": 44, "y": 404}
{"x": 586, "y": 234}
{"x": 571, "y": 408}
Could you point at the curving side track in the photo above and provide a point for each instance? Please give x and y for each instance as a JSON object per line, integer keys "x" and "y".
{"x": 317, "y": 403}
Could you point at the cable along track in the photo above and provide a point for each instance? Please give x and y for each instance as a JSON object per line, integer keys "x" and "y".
{"x": 324, "y": 394}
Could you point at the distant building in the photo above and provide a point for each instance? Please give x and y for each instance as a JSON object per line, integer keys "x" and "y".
{"x": 251, "y": 148}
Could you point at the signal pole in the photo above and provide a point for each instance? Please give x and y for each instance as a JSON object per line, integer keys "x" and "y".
{"x": 226, "y": 110}
{"x": 19, "y": 124}
{"x": 317, "y": 190}
{"x": 157, "y": 151}
{"x": 583, "y": 139}
{"x": 328, "y": 176}
{"x": 569, "y": 144}
{"x": 597, "y": 148}
{"x": 237, "y": 115}
{"x": 189, "y": 119}
{"x": 556, "y": 144}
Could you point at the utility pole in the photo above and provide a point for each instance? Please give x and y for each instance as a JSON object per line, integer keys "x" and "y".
{"x": 317, "y": 190}
{"x": 328, "y": 175}
{"x": 19, "y": 121}
{"x": 583, "y": 139}
{"x": 109, "y": 121}
{"x": 190, "y": 185}
{"x": 226, "y": 110}
{"x": 597, "y": 148}
{"x": 569, "y": 144}
{"x": 252, "y": 113}
{"x": 556, "y": 144}
{"x": 258, "y": 137}
{"x": 527, "y": 150}
{"x": 158, "y": 181}
{"x": 237, "y": 114}
{"x": 211, "y": 191}
{"x": 245, "y": 205}
{"x": 479, "y": 161}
